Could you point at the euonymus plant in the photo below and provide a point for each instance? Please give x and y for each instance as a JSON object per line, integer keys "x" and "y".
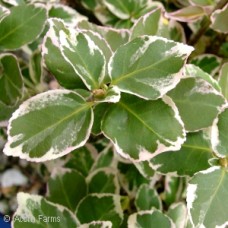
{"x": 160, "y": 118}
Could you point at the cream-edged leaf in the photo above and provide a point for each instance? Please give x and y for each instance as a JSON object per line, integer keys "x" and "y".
{"x": 134, "y": 126}
{"x": 36, "y": 211}
{"x": 49, "y": 125}
{"x": 148, "y": 66}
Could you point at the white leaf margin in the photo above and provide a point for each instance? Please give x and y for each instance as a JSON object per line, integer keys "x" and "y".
{"x": 155, "y": 195}
{"x": 213, "y": 18}
{"x": 107, "y": 171}
{"x": 214, "y": 134}
{"x": 103, "y": 224}
{"x": 191, "y": 196}
{"x": 132, "y": 219}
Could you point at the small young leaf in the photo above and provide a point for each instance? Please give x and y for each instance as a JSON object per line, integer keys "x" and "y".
{"x": 17, "y": 28}
{"x": 187, "y": 14}
{"x": 223, "y": 80}
{"x": 178, "y": 213}
{"x": 85, "y": 56}
{"x": 100, "y": 207}
{"x": 81, "y": 160}
{"x": 114, "y": 37}
{"x": 174, "y": 187}
{"x": 147, "y": 218}
{"x": 49, "y": 125}
{"x": 35, "y": 67}
{"x": 199, "y": 96}
{"x": 219, "y": 136}
{"x": 218, "y": 18}
{"x": 35, "y": 211}
{"x": 191, "y": 158}
{"x": 66, "y": 13}
{"x": 11, "y": 84}
{"x": 139, "y": 133}
{"x": 99, "y": 111}
{"x": 130, "y": 178}
{"x": 147, "y": 24}
{"x": 207, "y": 196}
{"x": 103, "y": 181}
{"x": 63, "y": 191}
{"x": 148, "y": 66}
{"x": 121, "y": 9}
{"x": 208, "y": 63}
{"x": 97, "y": 224}
{"x": 54, "y": 60}
{"x": 145, "y": 169}
{"x": 194, "y": 71}
{"x": 104, "y": 159}
{"x": 147, "y": 198}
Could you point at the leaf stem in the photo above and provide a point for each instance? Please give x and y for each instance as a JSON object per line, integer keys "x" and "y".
{"x": 206, "y": 23}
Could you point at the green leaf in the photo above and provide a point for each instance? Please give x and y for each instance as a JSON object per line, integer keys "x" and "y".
{"x": 6, "y": 111}
{"x": 17, "y": 28}
{"x": 63, "y": 191}
{"x": 174, "y": 187}
{"x": 148, "y": 24}
{"x": 199, "y": 96}
{"x": 208, "y": 63}
{"x": 148, "y": 66}
{"x": 66, "y": 13}
{"x": 103, "y": 180}
{"x": 133, "y": 115}
{"x": 178, "y": 213}
{"x": 104, "y": 47}
{"x": 121, "y": 9}
{"x": 99, "y": 111}
{"x": 81, "y": 160}
{"x": 84, "y": 55}
{"x": 219, "y": 137}
{"x": 207, "y": 198}
{"x": 191, "y": 158}
{"x": 97, "y": 224}
{"x": 11, "y": 84}
{"x": 35, "y": 211}
{"x": 54, "y": 60}
{"x": 194, "y": 71}
{"x": 147, "y": 198}
{"x": 218, "y": 18}
{"x": 144, "y": 219}
{"x": 187, "y": 14}
{"x": 35, "y": 67}
{"x": 176, "y": 31}
{"x": 114, "y": 37}
{"x": 131, "y": 179}
{"x": 109, "y": 209}
{"x": 104, "y": 159}
{"x": 145, "y": 169}
{"x": 223, "y": 80}
{"x": 49, "y": 125}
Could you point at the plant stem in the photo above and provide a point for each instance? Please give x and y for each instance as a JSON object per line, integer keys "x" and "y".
{"x": 206, "y": 23}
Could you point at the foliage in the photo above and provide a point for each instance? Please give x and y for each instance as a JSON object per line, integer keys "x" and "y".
{"x": 134, "y": 110}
